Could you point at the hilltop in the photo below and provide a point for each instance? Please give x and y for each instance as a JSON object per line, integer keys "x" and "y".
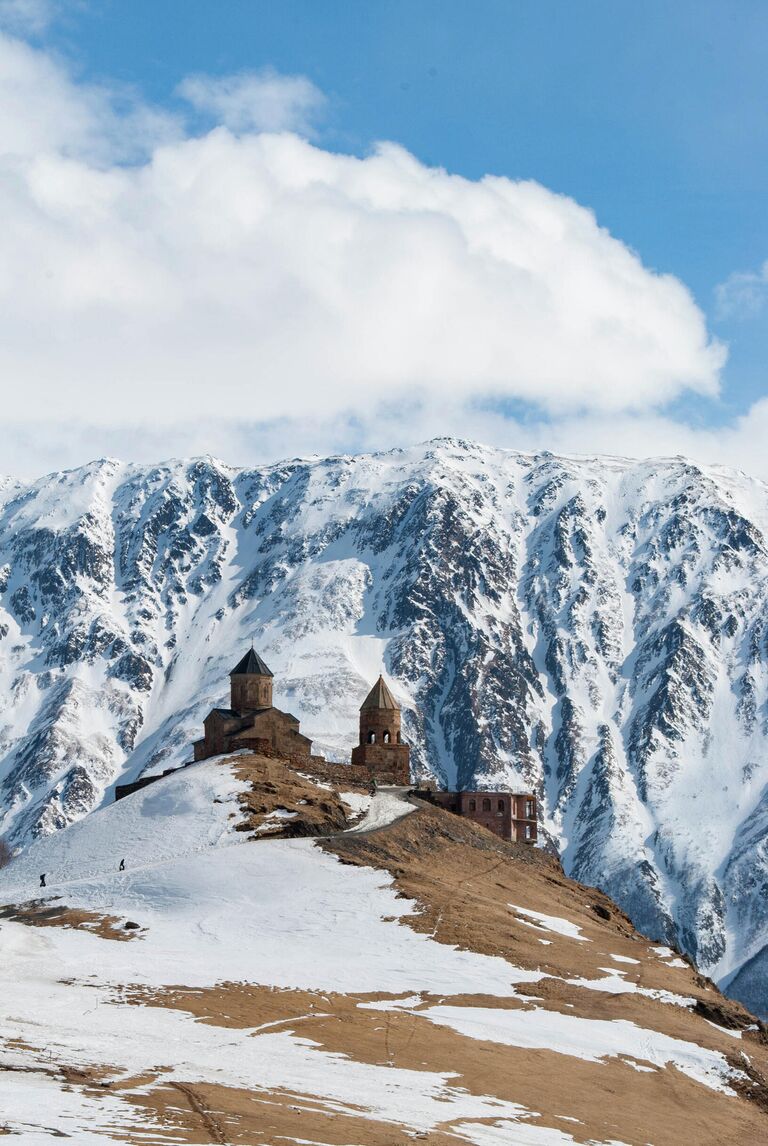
{"x": 404, "y": 976}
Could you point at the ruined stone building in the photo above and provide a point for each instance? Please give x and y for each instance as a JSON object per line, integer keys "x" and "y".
{"x": 511, "y": 815}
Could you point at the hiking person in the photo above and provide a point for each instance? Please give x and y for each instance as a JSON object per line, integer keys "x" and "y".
{"x": 42, "y": 881}
{"x": 372, "y": 788}
{"x": 122, "y": 865}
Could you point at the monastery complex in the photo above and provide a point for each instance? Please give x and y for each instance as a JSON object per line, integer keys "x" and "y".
{"x": 381, "y": 757}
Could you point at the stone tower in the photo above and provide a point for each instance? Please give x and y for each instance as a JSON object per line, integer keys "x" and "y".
{"x": 381, "y": 749}
{"x": 250, "y": 684}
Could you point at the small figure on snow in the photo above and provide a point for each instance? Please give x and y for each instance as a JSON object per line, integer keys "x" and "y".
{"x": 42, "y": 881}
{"x": 122, "y": 865}
{"x": 372, "y": 788}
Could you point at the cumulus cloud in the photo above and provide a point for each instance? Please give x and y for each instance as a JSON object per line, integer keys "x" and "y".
{"x": 743, "y": 294}
{"x": 44, "y": 115}
{"x": 246, "y": 278}
{"x": 256, "y": 101}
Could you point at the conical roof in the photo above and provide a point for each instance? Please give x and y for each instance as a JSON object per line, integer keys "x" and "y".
{"x": 251, "y": 665}
{"x": 380, "y": 697}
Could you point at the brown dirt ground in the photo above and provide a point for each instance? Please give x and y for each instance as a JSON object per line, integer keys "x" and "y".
{"x": 274, "y": 785}
{"x": 663, "y": 1106}
{"x": 41, "y": 913}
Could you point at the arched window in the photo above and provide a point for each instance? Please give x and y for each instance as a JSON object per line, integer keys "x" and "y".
{"x": 501, "y": 805}
{"x": 399, "y": 738}
{"x": 472, "y": 805}
{"x": 529, "y": 809}
{"x": 386, "y": 738}
{"x": 486, "y": 805}
{"x": 371, "y": 737}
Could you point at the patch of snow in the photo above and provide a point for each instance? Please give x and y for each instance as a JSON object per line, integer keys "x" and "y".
{"x": 506, "y": 1132}
{"x": 38, "y": 1109}
{"x": 669, "y": 957}
{"x": 356, "y": 802}
{"x": 612, "y": 984}
{"x": 183, "y": 814}
{"x": 384, "y": 809}
{"x": 727, "y": 1030}
{"x": 407, "y": 1003}
{"x": 553, "y": 923}
{"x": 589, "y": 1039}
{"x": 222, "y": 909}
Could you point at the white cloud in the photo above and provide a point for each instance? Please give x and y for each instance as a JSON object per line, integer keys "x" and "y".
{"x": 743, "y": 294}
{"x": 29, "y": 449}
{"x": 231, "y": 287}
{"x": 45, "y": 115}
{"x": 29, "y": 17}
{"x": 256, "y": 101}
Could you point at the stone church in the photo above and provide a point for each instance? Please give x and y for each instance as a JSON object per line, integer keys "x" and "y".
{"x": 251, "y": 721}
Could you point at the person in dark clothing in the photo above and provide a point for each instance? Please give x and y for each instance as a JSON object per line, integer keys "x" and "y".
{"x": 42, "y": 881}
{"x": 122, "y": 865}
{"x": 372, "y": 788}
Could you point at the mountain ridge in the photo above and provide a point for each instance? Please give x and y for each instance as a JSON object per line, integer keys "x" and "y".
{"x": 596, "y": 628}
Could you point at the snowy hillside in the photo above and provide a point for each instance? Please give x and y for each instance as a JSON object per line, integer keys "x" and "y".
{"x": 594, "y": 628}
{"x": 264, "y": 991}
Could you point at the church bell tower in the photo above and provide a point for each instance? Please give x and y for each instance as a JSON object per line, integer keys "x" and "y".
{"x": 381, "y": 749}
{"x": 250, "y": 684}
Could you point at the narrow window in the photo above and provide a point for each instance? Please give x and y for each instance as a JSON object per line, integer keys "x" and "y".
{"x": 527, "y": 831}
{"x": 371, "y": 737}
{"x": 501, "y": 805}
{"x": 399, "y": 738}
{"x": 486, "y": 805}
{"x": 472, "y": 805}
{"x": 386, "y": 738}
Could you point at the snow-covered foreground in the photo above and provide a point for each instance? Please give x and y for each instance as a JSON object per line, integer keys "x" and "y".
{"x": 212, "y": 909}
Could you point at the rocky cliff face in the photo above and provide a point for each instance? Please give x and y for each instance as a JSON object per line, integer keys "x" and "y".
{"x": 596, "y": 629}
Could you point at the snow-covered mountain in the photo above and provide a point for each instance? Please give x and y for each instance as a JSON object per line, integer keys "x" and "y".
{"x": 594, "y": 628}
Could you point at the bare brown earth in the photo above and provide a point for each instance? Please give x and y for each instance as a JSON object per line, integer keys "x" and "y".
{"x": 41, "y": 913}
{"x": 207, "y": 1113}
{"x": 464, "y": 880}
{"x": 611, "y": 1100}
{"x": 274, "y": 786}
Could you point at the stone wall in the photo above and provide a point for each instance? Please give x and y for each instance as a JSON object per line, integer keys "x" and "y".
{"x": 389, "y": 763}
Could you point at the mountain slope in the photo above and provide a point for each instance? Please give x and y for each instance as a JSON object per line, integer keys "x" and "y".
{"x": 594, "y": 628}
{"x": 260, "y": 991}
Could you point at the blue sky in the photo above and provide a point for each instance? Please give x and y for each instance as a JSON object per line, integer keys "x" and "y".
{"x": 651, "y": 115}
